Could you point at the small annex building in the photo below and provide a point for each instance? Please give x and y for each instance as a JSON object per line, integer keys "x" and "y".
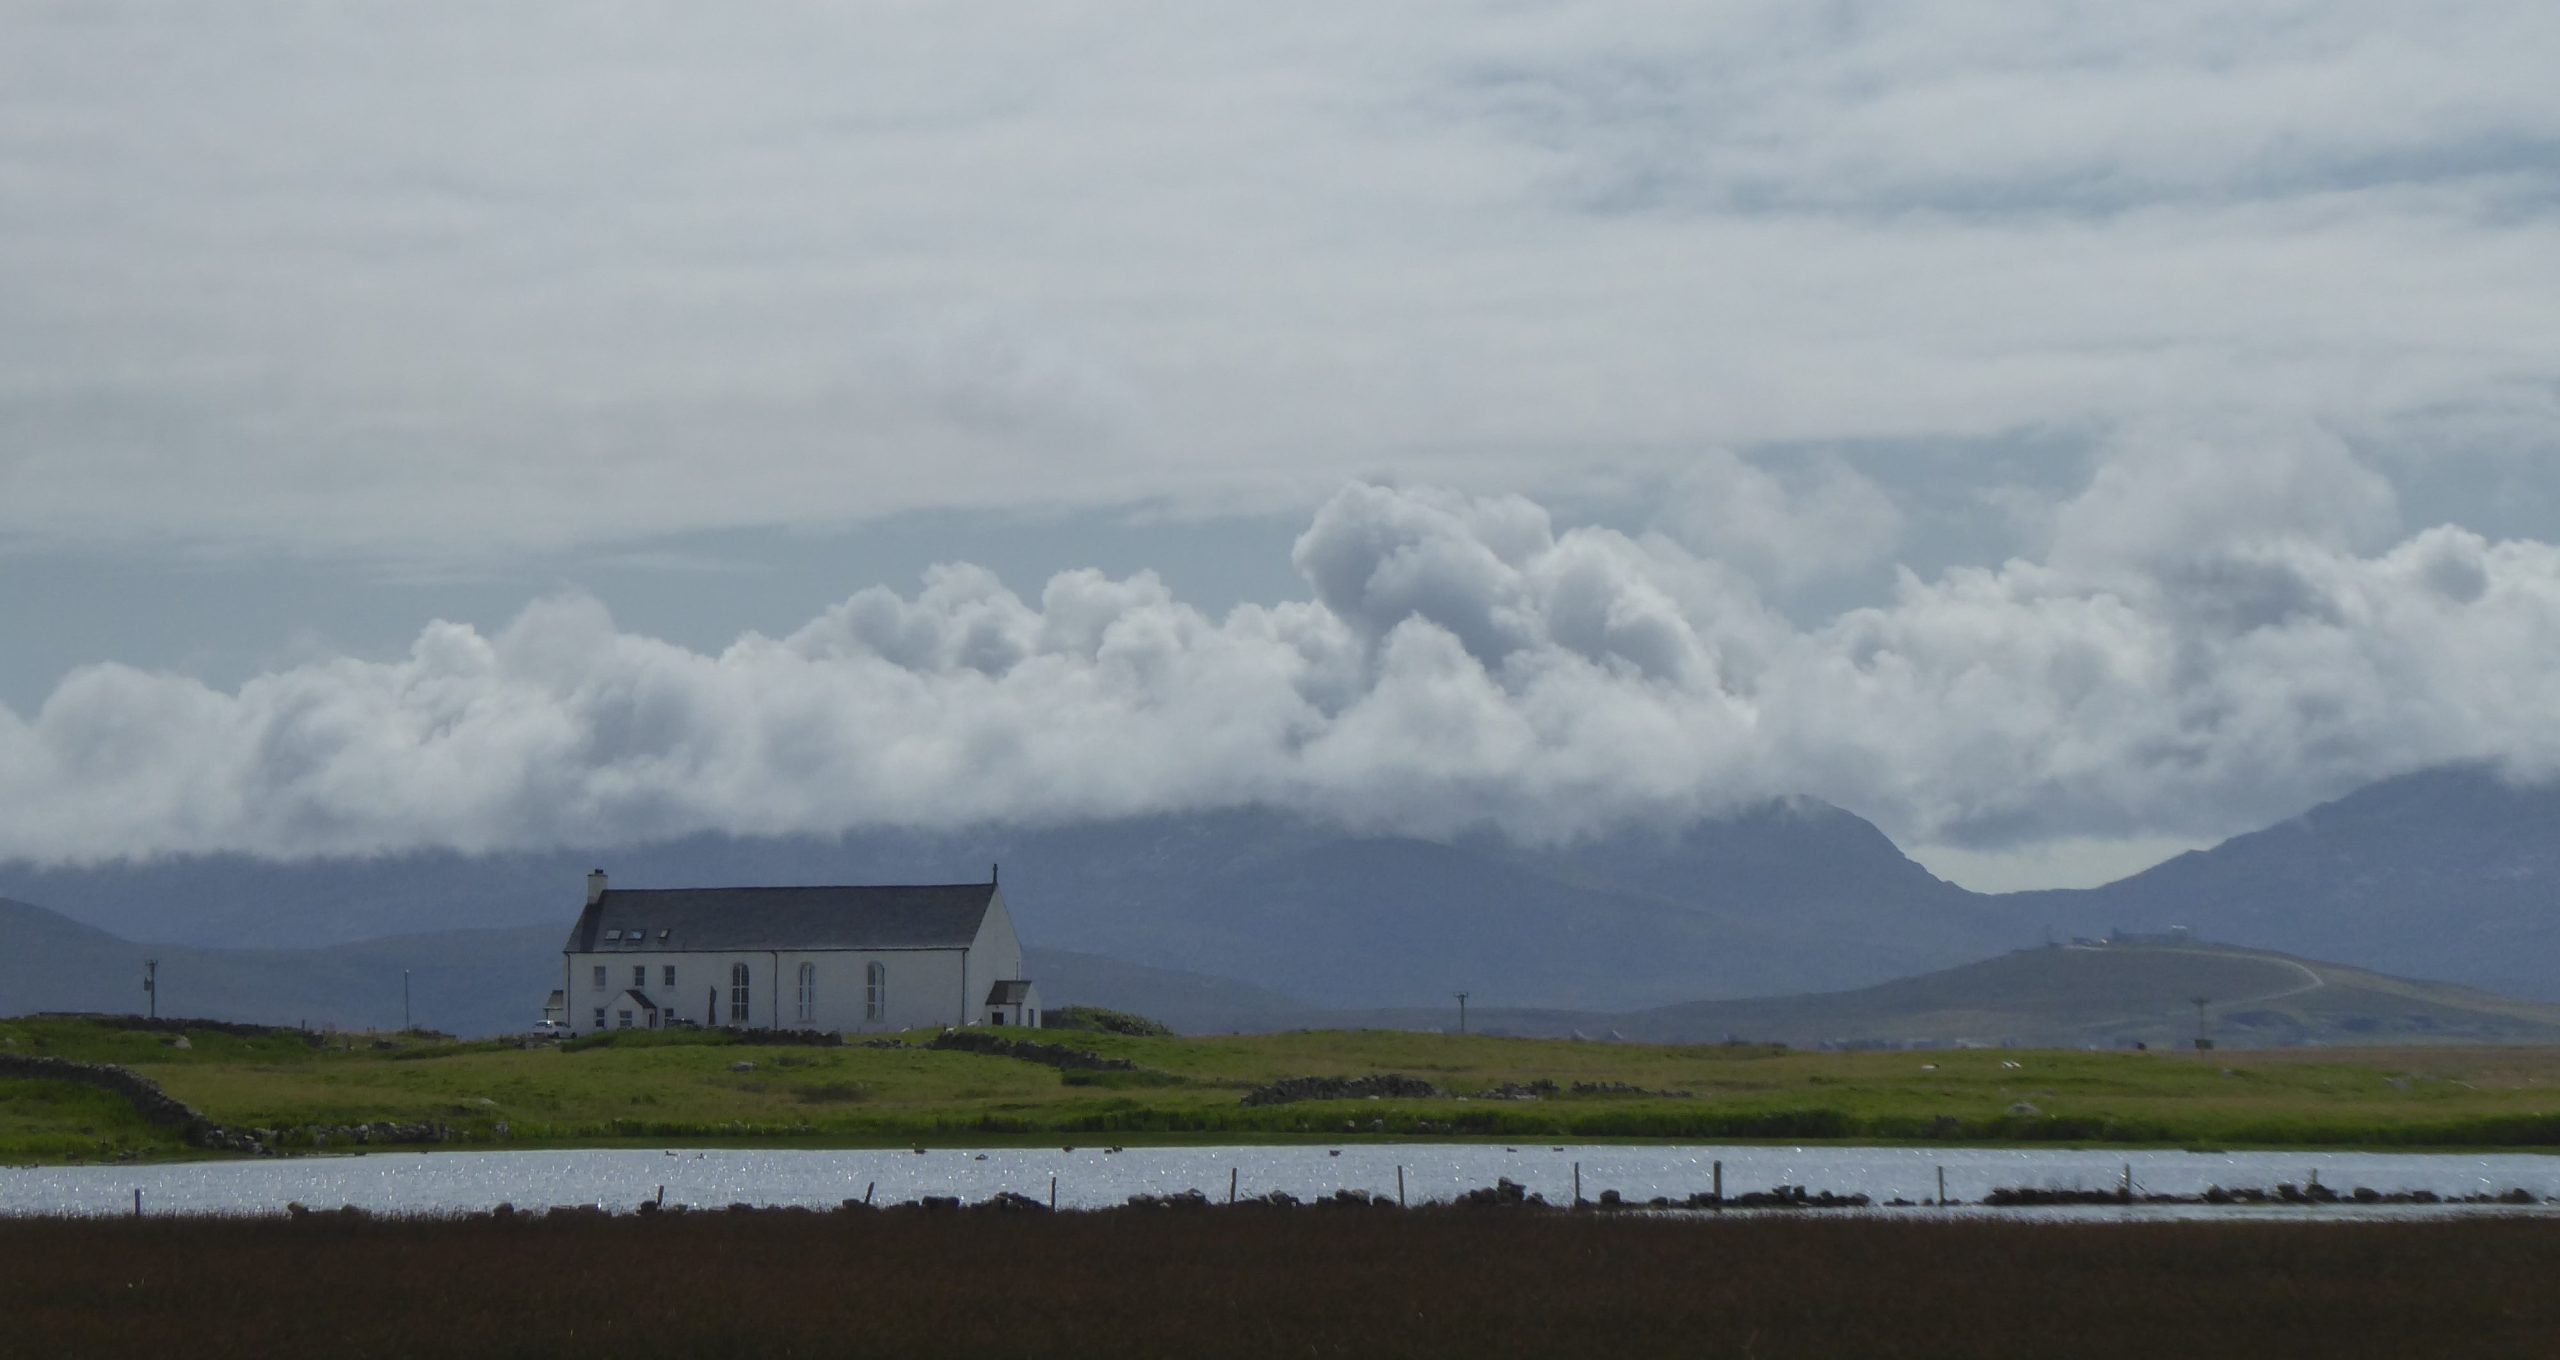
{"x": 847, "y": 960}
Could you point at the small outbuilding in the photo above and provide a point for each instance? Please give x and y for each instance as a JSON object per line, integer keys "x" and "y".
{"x": 1013, "y": 1002}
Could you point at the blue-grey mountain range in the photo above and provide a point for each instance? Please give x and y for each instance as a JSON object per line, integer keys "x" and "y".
{"x": 1248, "y": 919}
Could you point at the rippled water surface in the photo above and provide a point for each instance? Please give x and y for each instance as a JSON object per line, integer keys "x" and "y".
{"x": 1091, "y": 1176}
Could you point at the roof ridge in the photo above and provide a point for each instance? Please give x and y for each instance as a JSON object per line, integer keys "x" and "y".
{"x": 801, "y": 887}
{"x": 796, "y": 916}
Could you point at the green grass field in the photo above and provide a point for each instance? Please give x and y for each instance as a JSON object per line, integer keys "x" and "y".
{"x": 684, "y": 1086}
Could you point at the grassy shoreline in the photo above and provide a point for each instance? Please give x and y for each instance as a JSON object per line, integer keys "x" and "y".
{"x": 707, "y": 1089}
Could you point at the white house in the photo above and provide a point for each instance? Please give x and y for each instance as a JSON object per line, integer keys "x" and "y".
{"x": 844, "y": 959}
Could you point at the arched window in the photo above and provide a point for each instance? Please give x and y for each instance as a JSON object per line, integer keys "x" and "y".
{"x": 808, "y": 991}
{"x": 737, "y": 994}
{"x": 875, "y": 991}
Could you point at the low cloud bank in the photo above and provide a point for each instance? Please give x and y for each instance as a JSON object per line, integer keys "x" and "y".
{"x": 2212, "y": 636}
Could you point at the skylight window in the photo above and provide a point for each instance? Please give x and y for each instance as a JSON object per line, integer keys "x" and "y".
{"x": 613, "y": 934}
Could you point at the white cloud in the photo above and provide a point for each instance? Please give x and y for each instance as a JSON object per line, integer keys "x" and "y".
{"x": 472, "y": 279}
{"x": 2160, "y": 496}
{"x": 2063, "y": 862}
{"x": 1463, "y": 660}
{"x": 1831, "y": 522}
{"x": 459, "y": 283}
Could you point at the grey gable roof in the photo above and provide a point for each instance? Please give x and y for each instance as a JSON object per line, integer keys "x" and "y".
{"x": 914, "y": 916}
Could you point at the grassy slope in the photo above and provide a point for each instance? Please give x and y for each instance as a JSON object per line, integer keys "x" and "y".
{"x": 58, "y": 1121}
{"x": 2110, "y": 996}
{"x": 682, "y": 1086}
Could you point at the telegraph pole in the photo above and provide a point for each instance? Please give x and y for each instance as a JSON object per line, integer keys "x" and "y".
{"x": 151, "y": 985}
{"x": 1462, "y": 1012}
{"x": 405, "y": 1026}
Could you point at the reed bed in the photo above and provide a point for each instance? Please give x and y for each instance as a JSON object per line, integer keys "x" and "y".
{"x": 1253, "y": 1282}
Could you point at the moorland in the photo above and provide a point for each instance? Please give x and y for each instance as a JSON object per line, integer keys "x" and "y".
{"x": 303, "y": 1090}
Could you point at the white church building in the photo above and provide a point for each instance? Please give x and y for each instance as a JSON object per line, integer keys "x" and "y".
{"x": 842, "y": 959}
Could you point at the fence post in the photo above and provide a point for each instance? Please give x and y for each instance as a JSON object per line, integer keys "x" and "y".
{"x": 1400, "y": 1187}
{"x": 1942, "y": 1187}
{"x": 137, "y": 1201}
{"x": 867, "y": 1189}
{"x": 1231, "y": 1185}
{"x": 1719, "y": 1185}
{"x": 1053, "y": 1194}
{"x": 1577, "y": 1185}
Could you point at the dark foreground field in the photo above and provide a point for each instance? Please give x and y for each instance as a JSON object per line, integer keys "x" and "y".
{"x": 1271, "y": 1283}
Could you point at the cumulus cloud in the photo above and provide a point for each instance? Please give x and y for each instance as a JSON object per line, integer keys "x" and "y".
{"x": 2162, "y": 494}
{"x": 1460, "y": 661}
{"x": 1827, "y": 521}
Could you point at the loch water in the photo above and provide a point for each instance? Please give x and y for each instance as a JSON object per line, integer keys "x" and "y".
{"x": 1098, "y": 1176}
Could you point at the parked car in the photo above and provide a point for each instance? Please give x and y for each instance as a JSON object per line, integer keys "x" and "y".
{"x": 548, "y": 1029}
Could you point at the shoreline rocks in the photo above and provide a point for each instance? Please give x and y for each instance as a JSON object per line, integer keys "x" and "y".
{"x": 2314, "y": 1193}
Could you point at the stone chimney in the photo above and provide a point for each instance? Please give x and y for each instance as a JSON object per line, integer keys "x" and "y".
{"x": 595, "y": 887}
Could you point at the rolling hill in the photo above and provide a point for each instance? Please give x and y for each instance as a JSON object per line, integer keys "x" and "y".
{"x": 492, "y": 981}
{"x": 2448, "y": 873}
{"x": 2071, "y": 996}
{"x": 1788, "y": 897}
{"x": 465, "y": 981}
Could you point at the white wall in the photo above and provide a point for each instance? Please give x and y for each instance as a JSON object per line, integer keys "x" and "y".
{"x": 927, "y": 988}
{"x": 994, "y": 956}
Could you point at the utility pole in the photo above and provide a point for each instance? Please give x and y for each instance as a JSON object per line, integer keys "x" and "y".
{"x": 1462, "y": 1012}
{"x": 405, "y": 1026}
{"x": 151, "y": 985}
{"x": 2199, "y": 1001}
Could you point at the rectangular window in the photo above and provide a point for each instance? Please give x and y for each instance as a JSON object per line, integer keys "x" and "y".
{"x": 639, "y": 975}
{"x": 599, "y": 975}
{"x": 626, "y": 1020}
{"x": 671, "y": 975}
{"x": 599, "y": 1017}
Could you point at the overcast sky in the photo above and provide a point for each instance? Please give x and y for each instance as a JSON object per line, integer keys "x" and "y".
{"x": 2061, "y": 433}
